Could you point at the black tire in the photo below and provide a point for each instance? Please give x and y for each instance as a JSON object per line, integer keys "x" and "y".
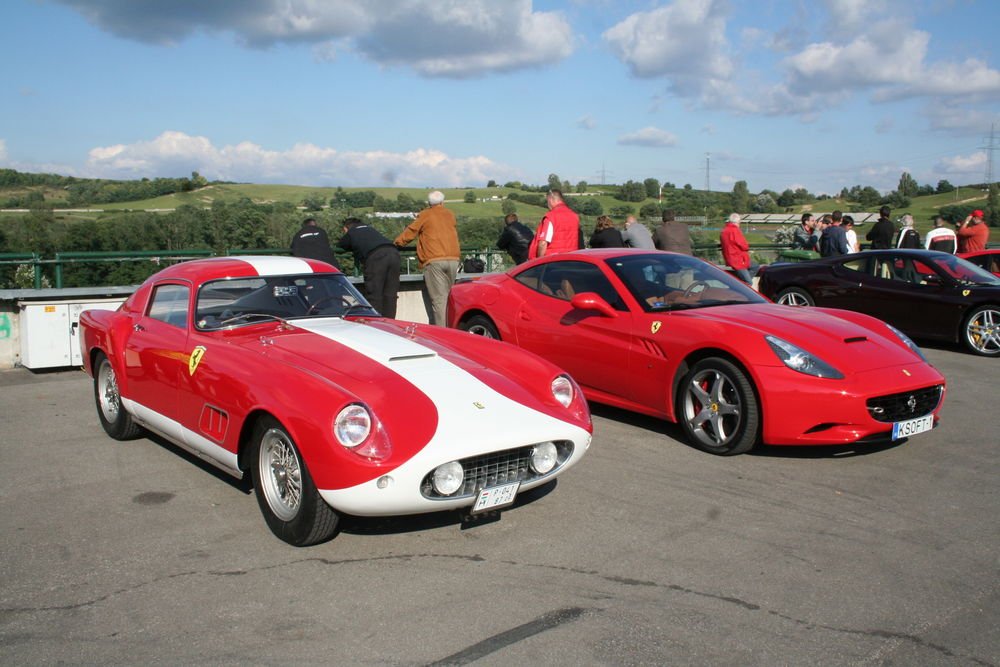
{"x": 117, "y": 422}
{"x": 288, "y": 499}
{"x": 718, "y": 409}
{"x": 795, "y": 296}
{"x": 481, "y": 326}
{"x": 981, "y": 331}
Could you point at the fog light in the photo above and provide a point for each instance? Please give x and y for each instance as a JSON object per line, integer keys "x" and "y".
{"x": 543, "y": 457}
{"x": 448, "y": 478}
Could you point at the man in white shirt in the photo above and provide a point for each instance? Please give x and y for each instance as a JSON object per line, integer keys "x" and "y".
{"x": 941, "y": 238}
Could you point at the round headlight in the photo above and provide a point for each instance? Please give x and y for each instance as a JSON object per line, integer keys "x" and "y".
{"x": 562, "y": 390}
{"x": 544, "y": 457}
{"x": 352, "y": 425}
{"x": 447, "y": 478}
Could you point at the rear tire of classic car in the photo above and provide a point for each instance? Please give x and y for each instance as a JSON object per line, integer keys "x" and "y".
{"x": 481, "y": 326}
{"x": 981, "y": 331}
{"x": 117, "y": 422}
{"x": 795, "y": 296}
{"x": 718, "y": 408}
{"x": 288, "y": 499}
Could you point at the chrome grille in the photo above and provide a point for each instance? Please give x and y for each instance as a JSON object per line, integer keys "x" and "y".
{"x": 905, "y": 405}
{"x": 496, "y": 468}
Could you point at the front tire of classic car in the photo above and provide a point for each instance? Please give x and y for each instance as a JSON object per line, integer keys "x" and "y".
{"x": 717, "y": 407}
{"x": 117, "y": 422}
{"x": 481, "y": 325}
{"x": 795, "y": 296}
{"x": 288, "y": 499}
{"x": 981, "y": 331}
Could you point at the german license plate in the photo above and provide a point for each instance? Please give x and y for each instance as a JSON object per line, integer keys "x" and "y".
{"x": 496, "y": 496}
{"x": 912, "y": 427}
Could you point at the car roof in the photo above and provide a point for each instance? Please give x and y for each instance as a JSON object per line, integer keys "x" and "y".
{"x": 241, "y": 266}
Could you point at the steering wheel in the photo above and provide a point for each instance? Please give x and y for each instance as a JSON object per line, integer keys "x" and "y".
{"x": 691, "y": 288}
{"x": 323, "y": 300}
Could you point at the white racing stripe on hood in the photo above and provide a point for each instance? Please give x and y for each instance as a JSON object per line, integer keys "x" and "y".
{"x": 275, "y": 266}
{"x": 471, "y": 415}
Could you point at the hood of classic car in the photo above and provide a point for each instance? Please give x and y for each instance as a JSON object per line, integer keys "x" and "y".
{"x": 387, "y": 365}
{"x": 833, "y": 335}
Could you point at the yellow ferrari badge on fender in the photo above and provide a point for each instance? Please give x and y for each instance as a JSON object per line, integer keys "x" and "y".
{"x": 966, "y": 292}
{"x": 656, "y": 326}
{"x": 195, "y": 359}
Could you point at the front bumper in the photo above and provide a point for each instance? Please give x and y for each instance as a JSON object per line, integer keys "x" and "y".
{"x": 802, "y": 410}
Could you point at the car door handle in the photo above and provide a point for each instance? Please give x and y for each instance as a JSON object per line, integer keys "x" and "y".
{"x": 525, "y": 316}
{"x": 138, "y": 327}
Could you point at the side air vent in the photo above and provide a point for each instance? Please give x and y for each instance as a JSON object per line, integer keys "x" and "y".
{"x": 856, "y": 339}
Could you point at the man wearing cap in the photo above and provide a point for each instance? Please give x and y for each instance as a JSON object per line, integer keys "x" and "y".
{"x": 908, "y": 236}
{"x": 437, "y": 252}
{"x": 941, "y": 238}
{"x": 973, "y": 234}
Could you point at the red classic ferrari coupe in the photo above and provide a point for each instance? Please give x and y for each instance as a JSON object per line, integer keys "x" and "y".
{"x": 278, "y": 368}
{"x": 672, "y": 336}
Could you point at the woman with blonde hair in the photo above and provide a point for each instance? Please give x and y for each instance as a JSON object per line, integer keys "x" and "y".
{"x": 606, "y": 235}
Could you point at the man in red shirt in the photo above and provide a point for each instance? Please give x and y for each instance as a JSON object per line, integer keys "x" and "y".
{"x": 559, "y": 230}
{"x": 736, "y": 250}
{"x": 973, "y": 234}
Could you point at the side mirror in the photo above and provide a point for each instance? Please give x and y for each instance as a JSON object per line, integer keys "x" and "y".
{"x": 592, "y": 301}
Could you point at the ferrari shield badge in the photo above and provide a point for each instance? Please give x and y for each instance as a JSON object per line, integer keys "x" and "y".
{"x": 656, "y": 326}
{"x": 195, "y": 359}
{"x": 966, "y": 292}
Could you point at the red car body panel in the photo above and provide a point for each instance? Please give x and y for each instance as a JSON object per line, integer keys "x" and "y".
{"x": 303, "y": 372}
{"x": 635, "y": 359}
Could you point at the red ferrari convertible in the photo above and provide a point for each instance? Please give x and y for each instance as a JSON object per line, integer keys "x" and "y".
{"x": 278, "y": 368}
{"x": 672, "y": 336}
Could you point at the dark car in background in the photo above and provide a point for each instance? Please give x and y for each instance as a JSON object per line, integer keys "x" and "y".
{"x": 927, "y": 294}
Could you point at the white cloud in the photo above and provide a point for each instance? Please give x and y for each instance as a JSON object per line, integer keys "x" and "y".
{"x": 959, "y": 120}
{"x": 727, "y": 180}
{"x": 974, "y": 163}
{"x": 174, "y": 153}
{"x": 652, "y": 137}
{"x": 446, "y": 38}
{"x": 586, "y": 122}
{"x": 890, "y": 58}
{"x": 3, "y": 150}
{"x": 684, "y": 42}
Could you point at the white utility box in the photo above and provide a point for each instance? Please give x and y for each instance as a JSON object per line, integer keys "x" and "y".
{"x": 49, "y": 332}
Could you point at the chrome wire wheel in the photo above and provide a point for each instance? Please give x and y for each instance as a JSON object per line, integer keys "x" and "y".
{"x": 107, "y": 392}
{"x": 982, "y": 331}
{"x": 280, "y": 472}
{"x": 712, "y": 407}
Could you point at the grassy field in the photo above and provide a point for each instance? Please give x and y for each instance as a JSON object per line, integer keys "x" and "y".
{"x": 488, "y": 204}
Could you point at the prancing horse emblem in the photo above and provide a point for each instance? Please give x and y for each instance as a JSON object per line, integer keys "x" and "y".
{"x": 479, "y": 405}
{"x": 656, "y": 326}
{"x": 195, "y": 359}
{"x": 911, "y": 403}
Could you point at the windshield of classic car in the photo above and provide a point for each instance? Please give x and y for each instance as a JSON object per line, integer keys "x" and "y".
{"x": 239, "y": 301}
{"x": 674, "y": 282}
{"x": 964, "y": 271}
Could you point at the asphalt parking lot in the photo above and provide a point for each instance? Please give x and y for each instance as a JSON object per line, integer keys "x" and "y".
{"x": 648, "y": 552}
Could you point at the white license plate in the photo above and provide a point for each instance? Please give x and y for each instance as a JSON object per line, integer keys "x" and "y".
{"x": 496, "y": 496}
{"x": 912, "y": 427}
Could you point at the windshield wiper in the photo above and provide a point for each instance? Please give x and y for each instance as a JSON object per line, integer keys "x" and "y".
{"x": 247, "y": 316}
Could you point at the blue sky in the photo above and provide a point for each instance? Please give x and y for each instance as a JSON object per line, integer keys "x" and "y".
{"x": 448, "y": 93}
